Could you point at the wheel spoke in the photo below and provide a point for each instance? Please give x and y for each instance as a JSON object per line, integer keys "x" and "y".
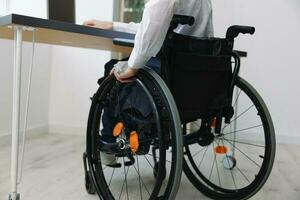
{"x": 218, "y": 169}
{"x": 137, "y": 171}
{"x": 123, "y": 183}
{"x": 140, "y": 186}
{"x": 126, "y": 178}
{"x": 245, "y": 129}
{"x": 244, "y": 175}
{"x": 142, "y": 180}
{"x": 237, "y": 98}
{"x": 245, "y": 111}
{"x": 212, "y": 168}
{"x": 203, "y": 157}
{"x": 198, "y": 152}
{"x": 230, "y": 170}
{"x": 111, "y": 176}
{"x": 246, "y": 143}
{"x": 149, "y": 162}
{"x": 234, "y": 146}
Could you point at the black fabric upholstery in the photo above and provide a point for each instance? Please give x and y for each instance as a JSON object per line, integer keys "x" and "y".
{"x": 198, "y": 72}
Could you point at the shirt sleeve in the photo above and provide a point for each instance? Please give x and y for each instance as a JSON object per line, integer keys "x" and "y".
{"x": 151, "y": 31}
{"x": 126, "y": 27}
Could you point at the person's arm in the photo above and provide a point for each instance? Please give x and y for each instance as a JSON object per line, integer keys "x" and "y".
{"x": 126, "y": 27}
{"x": 151, "y": 31}
{"x": 116, "y": 26}
{"x": 149, "y": 38}
{"x": 99, "y": 24}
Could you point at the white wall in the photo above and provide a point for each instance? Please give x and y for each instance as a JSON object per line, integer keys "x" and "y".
{"x": 2, "y": 7}
{"x": 35, "y": 8}
{"x": 273, "y": 62}
{"x": 75, "y": 73}
{"x": 38, "y": 115}
{"x": 39, "y": 106}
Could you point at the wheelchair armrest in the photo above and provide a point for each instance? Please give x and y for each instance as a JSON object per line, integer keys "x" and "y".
{"x": 123, "y": 42}
{"x": 180, "y": 19}
{"x": 184, "y": 20}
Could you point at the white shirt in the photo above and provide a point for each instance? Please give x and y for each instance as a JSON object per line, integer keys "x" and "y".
{"x": 152, "y": 30}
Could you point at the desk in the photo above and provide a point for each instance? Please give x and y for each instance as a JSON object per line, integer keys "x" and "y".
{"x": 20, "y": 28}
{"x": 61, "y": 33}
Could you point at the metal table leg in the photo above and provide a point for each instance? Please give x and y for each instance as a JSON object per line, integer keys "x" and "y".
{"x": 18, "y": 30}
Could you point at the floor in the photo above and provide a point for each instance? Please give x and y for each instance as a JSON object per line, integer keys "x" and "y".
{"x": 53, "y": 171}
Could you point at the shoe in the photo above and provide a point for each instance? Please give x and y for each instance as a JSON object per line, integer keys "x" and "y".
{"x": 108, "y": 159}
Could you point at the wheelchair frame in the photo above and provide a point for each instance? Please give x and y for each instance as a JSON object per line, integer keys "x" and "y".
{"x": 195, "y": 137}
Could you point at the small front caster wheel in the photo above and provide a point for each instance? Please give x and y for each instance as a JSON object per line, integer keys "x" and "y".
{"x": 229, "y": 162}
{"x": 17, "y": 197}
{"x": 89, "y": 186}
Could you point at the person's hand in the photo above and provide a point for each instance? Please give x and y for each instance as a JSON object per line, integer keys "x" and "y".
{"x": 99, "y": 24}
{"x": 126, "y": 76}
{"x": 123, "y": 73}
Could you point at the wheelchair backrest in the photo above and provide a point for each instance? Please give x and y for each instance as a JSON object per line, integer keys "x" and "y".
{"x": 198, "y": 72}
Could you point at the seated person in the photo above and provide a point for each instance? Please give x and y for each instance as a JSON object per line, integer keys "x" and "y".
{"x": 150, "y": 35}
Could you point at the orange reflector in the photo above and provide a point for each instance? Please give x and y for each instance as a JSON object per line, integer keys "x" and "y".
{"x": 221, "y": 150}
{"x": 118, "y": 129}
{"x": 134, "y": 141}
{"x": 214, "y": 123}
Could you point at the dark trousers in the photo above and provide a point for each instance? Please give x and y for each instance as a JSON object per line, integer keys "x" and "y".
{"x": 128, "y": 94}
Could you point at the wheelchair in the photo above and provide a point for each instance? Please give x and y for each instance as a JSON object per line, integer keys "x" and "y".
{"x": 205, "y": 120}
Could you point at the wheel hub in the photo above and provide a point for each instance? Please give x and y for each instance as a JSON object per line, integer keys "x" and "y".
{"x": 206, "y": 136}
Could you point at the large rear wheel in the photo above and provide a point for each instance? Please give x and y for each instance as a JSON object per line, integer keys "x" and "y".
{"x": 237, "y": 163}
{"x": 143, "y": 144}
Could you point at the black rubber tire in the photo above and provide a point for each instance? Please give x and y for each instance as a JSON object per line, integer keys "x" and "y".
{"x": 247, "y": 192}
{"x": 155, "y": 171}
